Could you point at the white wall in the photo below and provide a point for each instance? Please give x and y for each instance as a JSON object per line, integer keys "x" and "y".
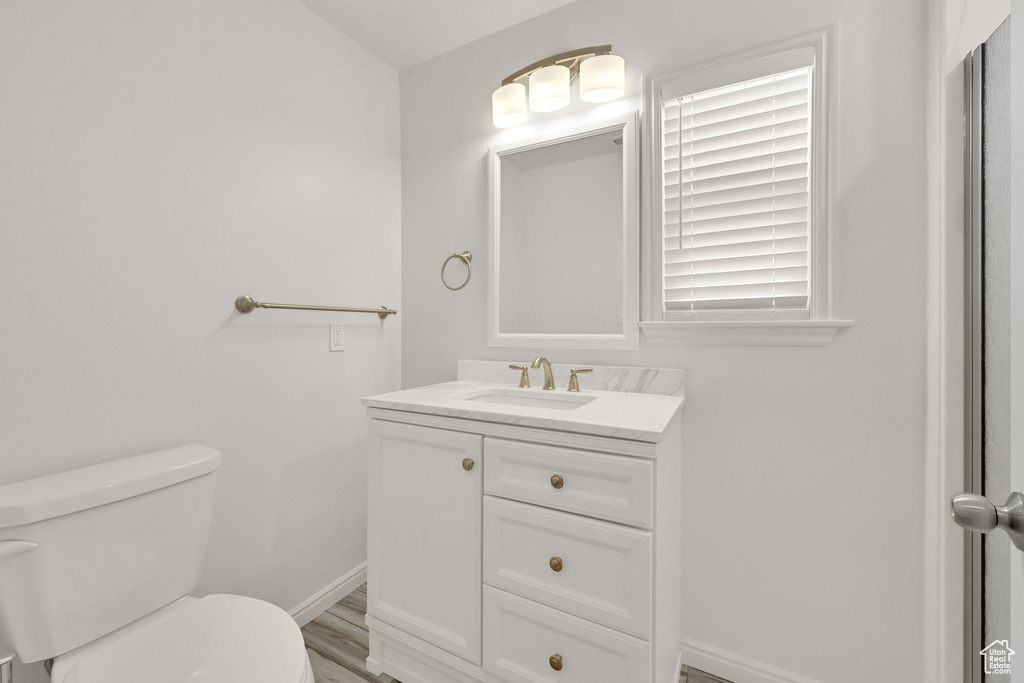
{"x": 804, "y": 467}
{"x": 1017, "y": 302}
{"x": 158, "y": 160}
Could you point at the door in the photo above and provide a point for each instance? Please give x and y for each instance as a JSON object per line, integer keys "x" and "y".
{"x": 994, "y": 573}
{"x": 424, "y": 534}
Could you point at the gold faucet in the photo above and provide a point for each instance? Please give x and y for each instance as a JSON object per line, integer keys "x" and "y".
{"x": 549, "y": 378}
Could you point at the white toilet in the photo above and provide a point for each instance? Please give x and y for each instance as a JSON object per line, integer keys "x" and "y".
{"x": 94, "y": 564}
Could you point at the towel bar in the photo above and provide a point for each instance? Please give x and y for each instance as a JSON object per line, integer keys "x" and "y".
{"x": 246, "y": 304}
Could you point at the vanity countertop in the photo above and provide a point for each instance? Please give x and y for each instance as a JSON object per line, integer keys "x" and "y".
{"x": 615, "y": 414}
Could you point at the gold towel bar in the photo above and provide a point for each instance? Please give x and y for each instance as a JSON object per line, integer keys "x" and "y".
{"x": 246, "y": 304}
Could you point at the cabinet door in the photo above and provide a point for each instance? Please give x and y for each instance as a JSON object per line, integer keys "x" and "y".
{"x": 424, "y": 525}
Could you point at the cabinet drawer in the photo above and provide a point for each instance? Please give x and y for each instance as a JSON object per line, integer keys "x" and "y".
{"x": 521, "y": 637}
{"x": 601, "y": 571}
{"x": 609, "y": 487}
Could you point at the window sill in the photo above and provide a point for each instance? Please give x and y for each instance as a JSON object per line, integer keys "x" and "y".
{"x": 744, "y": 333}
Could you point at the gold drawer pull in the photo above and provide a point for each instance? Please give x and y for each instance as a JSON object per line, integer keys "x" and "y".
{"x": 556, "y": 563}
{"x": 467, "y": 464}
{"x": 557, "y": 481}
{"x": 556, "y": 662}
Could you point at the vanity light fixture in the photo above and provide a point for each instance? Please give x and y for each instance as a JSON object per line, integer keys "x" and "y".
{"x": 602, "y": 77}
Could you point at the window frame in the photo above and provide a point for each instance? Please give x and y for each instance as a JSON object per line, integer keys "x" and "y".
{"x": 819, "y": 328}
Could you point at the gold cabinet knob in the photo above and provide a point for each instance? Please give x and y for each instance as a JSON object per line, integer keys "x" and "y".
{"x": 467, "y": 464}
{"x": 556, "y": 563}
{"x": 557, "y": 481}
{"x": 556, "y": 662}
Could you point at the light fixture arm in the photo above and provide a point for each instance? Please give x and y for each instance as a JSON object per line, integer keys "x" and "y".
{"x": 569, "y": 59}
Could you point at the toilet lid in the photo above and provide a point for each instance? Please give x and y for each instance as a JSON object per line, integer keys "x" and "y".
{"x": 216, "y": 639}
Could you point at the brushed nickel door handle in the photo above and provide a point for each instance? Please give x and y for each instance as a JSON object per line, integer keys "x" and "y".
{"x": 978, "y": 514}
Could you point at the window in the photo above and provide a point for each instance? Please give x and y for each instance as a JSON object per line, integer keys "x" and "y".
{"x": 735, "y": 198}
{"x": 737, "y": 230}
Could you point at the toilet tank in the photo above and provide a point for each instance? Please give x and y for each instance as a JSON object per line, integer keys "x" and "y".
{"x": 85, "y": 552}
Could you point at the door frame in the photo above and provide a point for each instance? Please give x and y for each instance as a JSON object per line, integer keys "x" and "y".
{"x": 974, "y": 576}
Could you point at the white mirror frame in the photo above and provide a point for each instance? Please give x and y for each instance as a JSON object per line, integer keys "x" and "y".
{"x": 629, "y": 338}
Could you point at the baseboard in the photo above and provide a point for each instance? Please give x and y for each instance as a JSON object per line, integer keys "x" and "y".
{"x": 310, "y": 608}
{"x": 734, "y": 667}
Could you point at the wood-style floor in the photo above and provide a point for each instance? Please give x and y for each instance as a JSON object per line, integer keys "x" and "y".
{"x": 338, "y": 644}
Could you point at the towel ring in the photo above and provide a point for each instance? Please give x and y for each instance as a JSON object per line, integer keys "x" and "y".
{"x": 465, "y": 257}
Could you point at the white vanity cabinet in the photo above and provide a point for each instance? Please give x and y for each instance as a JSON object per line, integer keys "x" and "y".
{"x": 554, "y": 558}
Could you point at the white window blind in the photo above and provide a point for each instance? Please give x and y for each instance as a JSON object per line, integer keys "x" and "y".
{"x": 736, "y": 199}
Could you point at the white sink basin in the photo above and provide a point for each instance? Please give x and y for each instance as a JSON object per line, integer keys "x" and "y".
{"x": 532, "y": 398}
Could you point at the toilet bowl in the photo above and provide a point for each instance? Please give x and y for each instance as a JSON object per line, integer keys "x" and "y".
{"x": 95, "y": 568}
{"x": 215, "y": 639}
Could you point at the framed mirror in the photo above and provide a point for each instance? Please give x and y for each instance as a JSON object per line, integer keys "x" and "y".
{"x": 564, "y": 217}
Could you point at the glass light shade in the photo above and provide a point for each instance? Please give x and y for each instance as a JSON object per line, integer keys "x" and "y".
{"x": 549, "y": 88}
{"x": 602, "y": 78}
{"x": 508, "y": 105}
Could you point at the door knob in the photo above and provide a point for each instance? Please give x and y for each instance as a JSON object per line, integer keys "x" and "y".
{"x": 976, "y": 513}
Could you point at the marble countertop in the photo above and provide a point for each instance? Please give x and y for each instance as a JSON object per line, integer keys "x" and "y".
{"x": 615, "y": 414}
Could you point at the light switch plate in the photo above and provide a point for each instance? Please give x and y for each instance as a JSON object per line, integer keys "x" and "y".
{"x": 337, "y": 337}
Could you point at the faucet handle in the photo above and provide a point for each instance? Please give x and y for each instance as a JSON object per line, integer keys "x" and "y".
{"x": 524, "y": 379}
{"x": 574, "y": 383}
